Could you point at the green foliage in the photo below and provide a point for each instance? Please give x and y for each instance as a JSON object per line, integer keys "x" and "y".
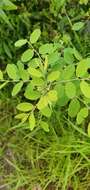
{"x": 70, "y": 90}
{"x": 77, "y": 26}
{"x": 42, "y": 89}
{"x": 35, "y": 36}
{"x": 82, "y": 68}
{"x": 7, "y": 5}
{"x": 83, "y": 2}
{"x": 46, "y": 111}
{"x": 20, "y": 43}
{"x": 27, "y": 55}
{"x": 35, "y": 72}
{"x": 25, "y": 107}
{"x": 46, "y": 48}
{"x": 30, "y": 93}
{"x": 53, "y": 76}
{"x": 1, "y": 75}
{"x": 32, "y": 121}
{"x": 68, "y": 72}
{"x": 45, "y": 94}
{"x": 17, "y": 88}
{"x": 83, "y": 113}
{"x": 89, "y": 129}
{"x": 44, "y": 126}
{"x": 85, "y": 88}
{"x": 73, "y": 108}
{"x": 12, "y": 71}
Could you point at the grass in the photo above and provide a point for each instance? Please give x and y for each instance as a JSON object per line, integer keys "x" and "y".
{"x": 58, "y": 160}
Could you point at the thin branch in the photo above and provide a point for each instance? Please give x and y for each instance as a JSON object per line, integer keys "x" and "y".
{"x": 61, "y": 81}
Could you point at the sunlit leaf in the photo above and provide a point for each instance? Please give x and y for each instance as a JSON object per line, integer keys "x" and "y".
{"x": 68, "y": 72}
{"x": 70, "y": 89}
{"x": 46, "y": 111}
{"x": 44, "y": 125}
{"x": 7, "y": 5}
{"x": 83, "y": 113}
{"x": 32, "y": 121}
{"x": 3, "y": 85}
{"x": 73, "y": 108}
{"x": 17, "y": 88}
{"x": 22, "y": 116}
{"x": 25, "y": 106}
{"x": 35, "y": 36}
{"x": 12, "y": 71}
{"x": 1, "y": 75}
{"x": 27, "y": 55}
{"x": 30, "y": 93}
{"x": 46, "y": 48}
{"x": 24, "y": 75}
{"x": 52, "y": 96}
{"x": 53, "y": 76}
{"x": 35, "y": 72}
{"x": 43, "y": 102}
{"x": 85, "y": 88}
{"x": 68, "y": 55}
{"x": 77, "y": 26}
{"x": 20, "y": 43}
{"x": 88, "y": 129}
{"x": 82, "y": 68}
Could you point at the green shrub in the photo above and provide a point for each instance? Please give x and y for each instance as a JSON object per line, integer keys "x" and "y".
{"x": 48, "y": 80}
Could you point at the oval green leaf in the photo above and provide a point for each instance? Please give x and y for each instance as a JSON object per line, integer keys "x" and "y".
{"x": 85, "y": 88}
{"x": 70, "y": 89}
{"x": 52, "y": 96}
{"x": 77, "y": 26}
{"x": 44, "y": 125}
{"x": 32, "y": 121}
{"x": 46, "y": 49}
{"x": 83, "y": 113}
{"x": 74, "y": 107}
{"x": 35, "y": 72}
{"x": 27, "y": 55}
{"x": 20, "y": 43}
{"x": 30, "y": 93}
{"x": 43, "y": 102}
{"x": 25, "y": 107}
{"x": 12, "y": 71}
{"x": 82, "y": 68}
{"x": 46, "y": 112}
{"x": 17, "y": 88}
{"x": 68, "y": 72}
{"x": 53, "y": 76}
{"x": 35, "y": 36}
